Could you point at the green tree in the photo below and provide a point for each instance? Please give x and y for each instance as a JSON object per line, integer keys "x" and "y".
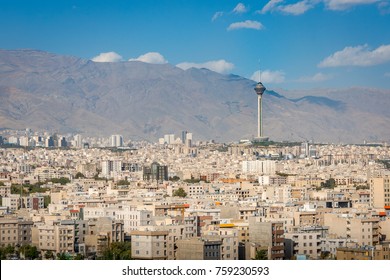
{"x": 180, "y": 192}
{"x": 62, "y": 256}
{"x": 117, "y": 251}
{"x": 79, "y": 257}
{"x": 5, "y": 252}
{"x": 122, "y": 183}
{"x": 192, "y": 181}
{"x": 29, "y": 252}
{"x": 329, "y": 184}
{"x": 49, "y": 255}
{"x": 174, "y": 178}
{"x": 46, "y": 201}
{"x": 62, "y": 180}
{"x": 261, "y": 255}
{"x": 79, "y": 175}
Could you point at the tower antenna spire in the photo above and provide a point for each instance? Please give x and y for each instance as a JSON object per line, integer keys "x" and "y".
{"x": 259, "y": 72}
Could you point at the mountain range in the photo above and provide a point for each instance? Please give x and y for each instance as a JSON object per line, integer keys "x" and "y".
{"x": 65, "y": 94}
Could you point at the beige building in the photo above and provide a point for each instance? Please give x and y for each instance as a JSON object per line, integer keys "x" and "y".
{"x": 364, "y": 230}
{"x": 380, "y": 192}
{"x": 379, "y": 252}
{"x": 179, "y": 231}
{"x": 229, "y": 247}
{"x": 149, "y": 245}
{"x": 305, "y": 241}
{"x": 15, "y": 232}
{"x": 101, "y": 233}
{"x": 267, "y": 234}
{"x": 5, "y": 190}
{"x": 205, "y": 248}
{"x": 56, "y": 238}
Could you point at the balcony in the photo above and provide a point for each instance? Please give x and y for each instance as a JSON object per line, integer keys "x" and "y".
{"x": 277, "y": 256}
{"x": 278, "y": 232}
{"x": 279, "y": 240}
{"x": 277, "y": 248}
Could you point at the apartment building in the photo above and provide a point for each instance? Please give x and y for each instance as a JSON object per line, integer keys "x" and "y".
{"x": 205, "y": 248}
{"x": 378, "y": 252}
{"x": 12, "y": 202}
{"x": 380, "y": 192}
{"x": 267, "y": 234}
{"x": 56, "y": 238}
{"x": 15, "y": 231}
{"x": 364, "y": 230}
{"x": 305, "y": 241}
{"x": 149, "y": 245}
{"x": 101, "y": 232}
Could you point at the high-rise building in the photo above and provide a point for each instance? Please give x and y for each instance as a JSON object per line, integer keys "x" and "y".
{"x": 116, "y": 141}
{"x": 169, "y": 139}
{"x": 183, "y": 136}
{"x": 305, "y": 149}
{"x": 155, "y": 172}
{"x": 62, "y": 142}
{"x": 78, "y": 141}
{"x": 24, "y": 141}
{"x": 111, "y": 167}
{"x": 49, "y": 142}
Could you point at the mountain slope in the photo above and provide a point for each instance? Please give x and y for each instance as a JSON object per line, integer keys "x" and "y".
{"x": 144, "y": 101}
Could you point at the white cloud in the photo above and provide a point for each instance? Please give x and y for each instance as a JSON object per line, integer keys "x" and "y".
{"x": 151, "y": 57}
{"x": 107, "y": 57}
{"x": 303, "y": 6}
{"x": 295, "y": 9}
{"x": 339, "y": 5}
{"x": 270, "y": 6}
{"x": 298, "y": 8}
{"x": 319, "y": 77}
{"x": 220, "y": 66}
{"x": 248, "y": 24}
{"x": 216, "y": 15}
{"x": 240, "y": 9}
{"x": 268, "y": 76}
{"x": 357, "y": 56}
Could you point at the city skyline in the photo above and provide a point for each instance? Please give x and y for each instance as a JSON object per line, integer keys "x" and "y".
{"x": 335, "y": 43}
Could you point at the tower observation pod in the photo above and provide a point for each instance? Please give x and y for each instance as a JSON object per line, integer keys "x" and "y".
{"x": 259, "y": 89}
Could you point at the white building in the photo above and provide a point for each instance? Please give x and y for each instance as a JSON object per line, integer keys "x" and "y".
{"x": 264, "y": 167}
{"x": 78, "y": 141}
{"x": 116, "y": 141}
{"x": 111, "y": 168}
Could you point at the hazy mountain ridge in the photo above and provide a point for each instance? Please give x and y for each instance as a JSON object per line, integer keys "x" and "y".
{"x": 67, "y": 94}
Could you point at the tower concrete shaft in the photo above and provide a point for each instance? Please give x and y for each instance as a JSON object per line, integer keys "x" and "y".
{"x": 260, "y": 116}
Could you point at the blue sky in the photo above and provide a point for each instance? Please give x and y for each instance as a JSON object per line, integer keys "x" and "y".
{"x": 300, "y": 44}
